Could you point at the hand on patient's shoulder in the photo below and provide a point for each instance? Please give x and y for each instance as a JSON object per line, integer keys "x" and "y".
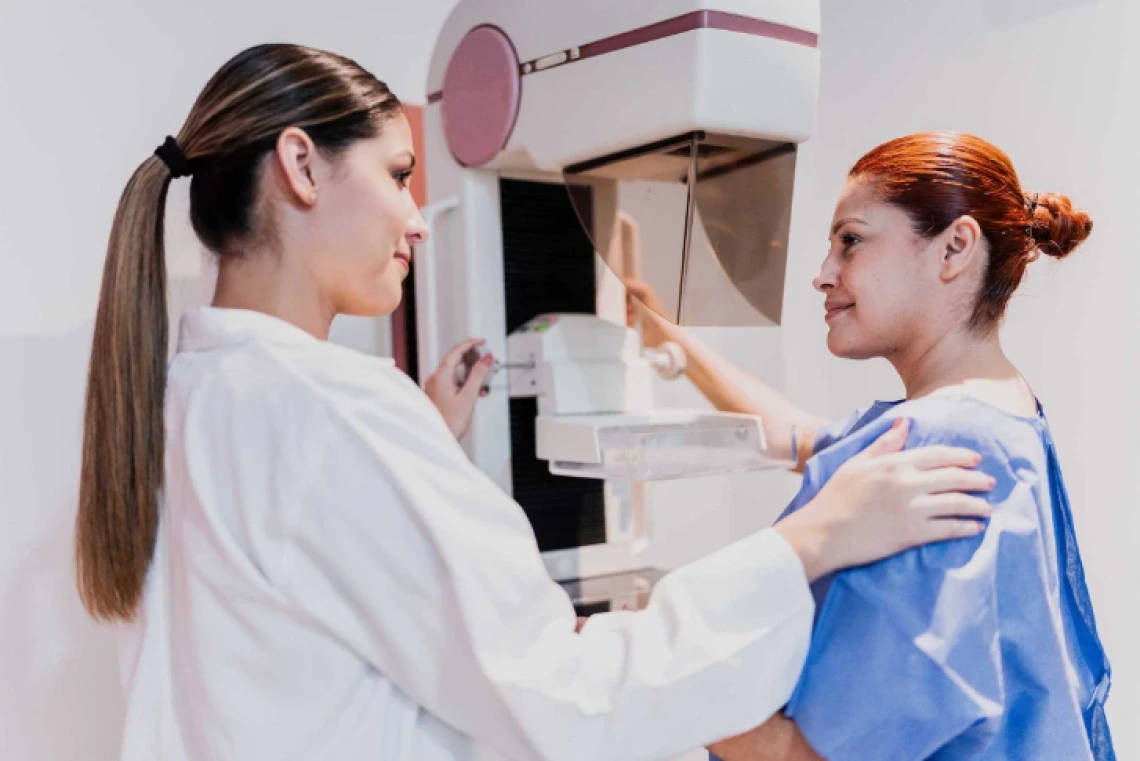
{"x": 881, "y": 501}
{"x": 1004, "y": 444}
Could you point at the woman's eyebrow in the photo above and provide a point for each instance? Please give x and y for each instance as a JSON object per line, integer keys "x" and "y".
{"x": 841, "y": 222}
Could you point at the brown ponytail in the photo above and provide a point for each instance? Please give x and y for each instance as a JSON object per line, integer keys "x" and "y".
{"x": 233, "y": 126}
{"x": 122, "y": 435}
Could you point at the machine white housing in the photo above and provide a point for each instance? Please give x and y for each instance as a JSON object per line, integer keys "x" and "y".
{"x": 747, "y": 68}
{"x": 579, "y": 364}
{"x": 522, "y": 90}
{"x": 596, "y": 417}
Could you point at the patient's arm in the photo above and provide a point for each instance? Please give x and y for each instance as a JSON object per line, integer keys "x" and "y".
{"x": 725, "y": 385}
{"x": 777, "y": 739}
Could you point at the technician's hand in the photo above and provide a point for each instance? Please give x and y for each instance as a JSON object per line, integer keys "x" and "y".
{"x": 457, "y": 405}
{"x": 884, "y": 501}
{"x": 642, "y": 302}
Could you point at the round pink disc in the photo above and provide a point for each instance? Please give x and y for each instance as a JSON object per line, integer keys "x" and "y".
{"x": 480, "y": 96}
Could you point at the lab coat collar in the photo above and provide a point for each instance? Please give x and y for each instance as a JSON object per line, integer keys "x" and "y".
{"x": 205, "y": 328}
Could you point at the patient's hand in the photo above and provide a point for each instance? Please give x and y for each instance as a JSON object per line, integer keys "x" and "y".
{"x": 777, "y": 739}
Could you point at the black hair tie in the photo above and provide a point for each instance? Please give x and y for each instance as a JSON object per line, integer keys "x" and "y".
{"x": 175, "y": 160}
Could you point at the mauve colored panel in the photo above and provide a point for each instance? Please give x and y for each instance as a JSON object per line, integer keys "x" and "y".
{"x": 480, "y": 96}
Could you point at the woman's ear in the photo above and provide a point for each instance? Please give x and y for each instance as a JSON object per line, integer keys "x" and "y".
{"x": 961, "y": 245}
{"x": 295, "y": 156}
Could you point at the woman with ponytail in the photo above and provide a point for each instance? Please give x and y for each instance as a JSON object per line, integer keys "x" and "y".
{"x": 307, "y": 565}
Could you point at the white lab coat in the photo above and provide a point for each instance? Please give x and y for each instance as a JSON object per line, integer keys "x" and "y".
{"x": 335, "y": 580}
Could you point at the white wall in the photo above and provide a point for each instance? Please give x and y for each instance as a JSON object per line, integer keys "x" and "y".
{"x": 87, "y": 90}
{"x": 1055, "y": 84}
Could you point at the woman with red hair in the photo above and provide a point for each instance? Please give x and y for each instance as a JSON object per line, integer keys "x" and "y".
{"x": 979, "y": 648}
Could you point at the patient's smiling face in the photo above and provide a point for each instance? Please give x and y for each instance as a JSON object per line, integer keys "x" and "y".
{"x": 880, "y": 279}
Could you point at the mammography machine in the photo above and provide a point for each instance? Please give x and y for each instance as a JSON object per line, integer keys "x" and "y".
{"x": 570, "y": 146}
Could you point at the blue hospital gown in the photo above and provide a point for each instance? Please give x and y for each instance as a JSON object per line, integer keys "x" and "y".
{"x": 983, "y": 648}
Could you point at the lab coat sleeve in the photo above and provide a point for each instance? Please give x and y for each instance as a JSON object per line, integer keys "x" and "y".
{"x": 408, "y": 554}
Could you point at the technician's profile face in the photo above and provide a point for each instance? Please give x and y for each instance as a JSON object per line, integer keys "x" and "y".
{"x": 367, "y": 223}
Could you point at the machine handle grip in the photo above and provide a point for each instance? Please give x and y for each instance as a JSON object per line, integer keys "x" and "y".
{"x": 427, "y": 290}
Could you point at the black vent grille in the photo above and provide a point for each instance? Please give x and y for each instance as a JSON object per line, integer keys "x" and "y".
{"x": 548, "y": 266}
